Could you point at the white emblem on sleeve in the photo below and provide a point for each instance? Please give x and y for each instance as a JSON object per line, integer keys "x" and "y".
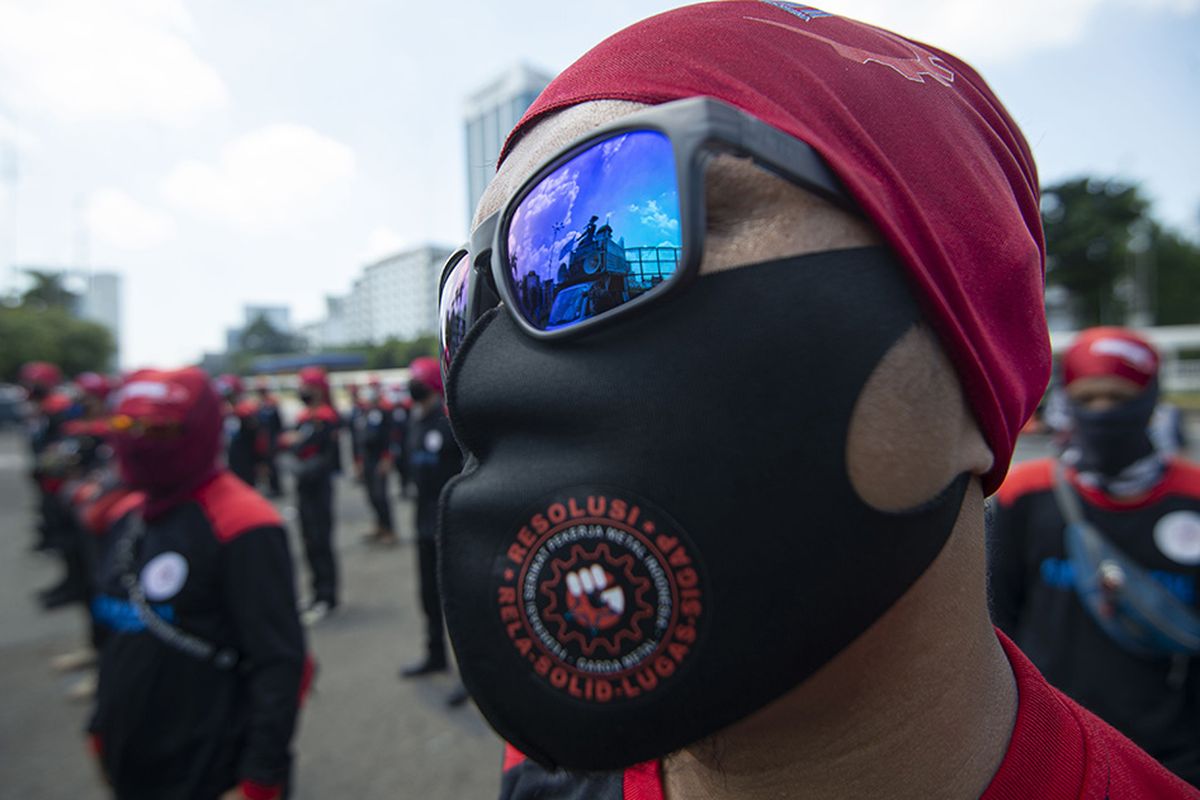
{"x": 434, "y": 441}
{"x": 164, "y": 575}
{"x": 1178, "y": 536}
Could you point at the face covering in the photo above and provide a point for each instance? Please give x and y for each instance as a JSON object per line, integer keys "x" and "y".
{"x": 308, "y": 398}
{"x": 167, "y": 468}
{"x": 655, "y": 534}
{"x": 1108, "y": 441}
{"x": 418, "y": 391}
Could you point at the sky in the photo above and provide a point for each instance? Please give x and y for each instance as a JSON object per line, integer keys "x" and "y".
{"x": 221, "y": 153}
{"x": 628, "y": 182}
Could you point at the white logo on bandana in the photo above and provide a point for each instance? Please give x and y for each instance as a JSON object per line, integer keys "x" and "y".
{"x": 164, "y": 576}
{"x": 1178, "y": 536}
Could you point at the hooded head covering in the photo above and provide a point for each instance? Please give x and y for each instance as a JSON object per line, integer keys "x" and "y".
{"x": 170, "y": 443}
{"x": 917, "y": 138}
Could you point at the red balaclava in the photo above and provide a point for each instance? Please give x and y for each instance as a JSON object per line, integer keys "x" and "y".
{"x": 917, "y": 138}
{"x": 167, "y": 432}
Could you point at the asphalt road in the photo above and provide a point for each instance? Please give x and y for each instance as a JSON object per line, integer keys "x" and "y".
{"x": 364, "y": 733}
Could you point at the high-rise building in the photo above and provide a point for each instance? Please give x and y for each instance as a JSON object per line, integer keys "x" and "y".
{"x": 489, "y": 115}
{"x": 395, "y": 298}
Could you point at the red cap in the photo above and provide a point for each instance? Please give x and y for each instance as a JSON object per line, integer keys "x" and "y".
{"x": 314, "y": 377}
{"x": 228, "y": 384}
{"x": 93, "y": 384}
{"x": 40, "y": 373}
{"x": 916, "y": 136}
{"x": 1110, "y": 351}
{"x": 427, "y": 370}
{"x": 245, "y": 408}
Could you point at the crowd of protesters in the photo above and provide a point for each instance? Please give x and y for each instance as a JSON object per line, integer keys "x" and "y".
{"x": 152, "y": 491}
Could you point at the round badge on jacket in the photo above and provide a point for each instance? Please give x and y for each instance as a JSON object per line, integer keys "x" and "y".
{"x": 1178, "y": 537}
{"x": 164, "y": 575}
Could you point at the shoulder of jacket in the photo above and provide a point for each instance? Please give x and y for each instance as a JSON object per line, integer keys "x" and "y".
{"x": 233, "y": 508}
{"x": 1026, "y": 478}
{"x": 1183, "y": 478}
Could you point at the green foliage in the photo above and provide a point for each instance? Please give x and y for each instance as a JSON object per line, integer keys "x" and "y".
{"x": 260, "y": 337}
{"x": 1100, "y": 234}
{"x": 52, "y": 334}
{"x": 1089, "y": 223}
{"x": 1176, "y": 265}
{"x": 393, "y": 353}
{"x": 47, "y": 292}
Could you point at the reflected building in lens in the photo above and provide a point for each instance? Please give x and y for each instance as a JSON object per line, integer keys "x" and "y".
{"x": 489, "y": 115}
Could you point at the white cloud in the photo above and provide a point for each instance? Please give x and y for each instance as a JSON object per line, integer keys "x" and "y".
{"x": 119, "y": 59}
{"x": 271, "y": 179}
{"x": 383, "y": 242}
{"x": 13, "y": 135}
{"x": 117, "y": 219}
{"x": 985, "y": 30}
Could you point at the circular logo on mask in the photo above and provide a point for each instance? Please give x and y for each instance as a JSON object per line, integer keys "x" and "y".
{"x": 1178, "y": 537}
{"x": 601, "y": 595}
{"x": 164, "y": 575}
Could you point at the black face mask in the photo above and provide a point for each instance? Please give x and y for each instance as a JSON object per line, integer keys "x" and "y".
{"x": 418, "y": 391}
{"x": 655, "y": 534}
{"x": 308, "y": 398}
{"x": 1110, "y": 440}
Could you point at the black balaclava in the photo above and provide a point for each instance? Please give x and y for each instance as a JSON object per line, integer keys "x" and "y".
{"x": 1109, "y": 441}
{"x": 655, "y": 533}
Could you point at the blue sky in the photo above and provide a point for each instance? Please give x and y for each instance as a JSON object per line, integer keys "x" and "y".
{"x": 223, "y": 153}
{"x": 628, "y": 182}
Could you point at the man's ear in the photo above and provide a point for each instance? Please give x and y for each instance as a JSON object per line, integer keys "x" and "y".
{"x": 911, "y": 432}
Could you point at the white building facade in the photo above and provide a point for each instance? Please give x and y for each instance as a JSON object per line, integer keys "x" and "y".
{"x": 395, "y": 298}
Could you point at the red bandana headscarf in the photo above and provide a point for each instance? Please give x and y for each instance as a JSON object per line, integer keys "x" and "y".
{"x": 916, "y": 136}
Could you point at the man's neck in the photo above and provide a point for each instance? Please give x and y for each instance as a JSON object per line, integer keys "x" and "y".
{"x": 922, "y": 705}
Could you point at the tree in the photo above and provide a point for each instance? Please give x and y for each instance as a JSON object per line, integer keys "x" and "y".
{"x": 1089, "y": 224}
{"x": 30, "y": 334}
{"x": 261, "y": 337}
{"x": 48, "y": 292}
{"x": 1175, "y": 262}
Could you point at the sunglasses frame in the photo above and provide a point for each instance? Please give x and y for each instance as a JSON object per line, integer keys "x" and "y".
{"x": 697, "y": 128}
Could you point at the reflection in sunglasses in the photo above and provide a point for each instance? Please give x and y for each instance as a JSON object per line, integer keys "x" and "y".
{"x": 564, "y": 264}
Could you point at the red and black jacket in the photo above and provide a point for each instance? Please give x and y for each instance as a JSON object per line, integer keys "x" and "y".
{"x": 170, "y": 724}
{"x": 1154, "y": 701}
{"x": 315, "y": 444}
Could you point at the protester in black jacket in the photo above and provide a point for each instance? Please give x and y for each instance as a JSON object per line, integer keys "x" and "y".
{"x": 314, "y": 444}
{"x": 373, "y": 431}
{"x": 433, "y": 459}
{"x": 1066, "y": 612}
{"x": 201, "y": 672}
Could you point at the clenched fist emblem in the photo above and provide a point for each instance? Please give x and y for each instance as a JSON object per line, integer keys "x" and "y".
{"x": 592, "y": 599}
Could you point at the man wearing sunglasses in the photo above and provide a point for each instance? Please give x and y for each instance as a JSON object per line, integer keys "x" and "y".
{"x": 826, "y": 238}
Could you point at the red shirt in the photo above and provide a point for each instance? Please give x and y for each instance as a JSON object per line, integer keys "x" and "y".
{"x": 1058, "y": 750}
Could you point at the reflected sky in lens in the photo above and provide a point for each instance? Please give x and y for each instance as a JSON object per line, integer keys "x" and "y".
{"x": 452, "y": 310}
{"x": 627, "y": 183}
